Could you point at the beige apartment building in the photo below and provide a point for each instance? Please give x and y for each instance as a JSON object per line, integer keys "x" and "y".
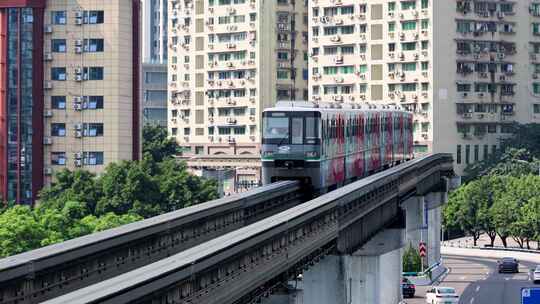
{"x": 91, "y": 91}
{"x": 228, "y": 60}
{"x": 466, "y": 68}
{"x": 69, "y": 89}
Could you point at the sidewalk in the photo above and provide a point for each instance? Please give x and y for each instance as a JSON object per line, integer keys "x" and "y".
{"x": 467, "y": 242}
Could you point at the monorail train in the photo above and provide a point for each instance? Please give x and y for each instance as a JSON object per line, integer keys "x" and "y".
{"x": 329, "y": 145}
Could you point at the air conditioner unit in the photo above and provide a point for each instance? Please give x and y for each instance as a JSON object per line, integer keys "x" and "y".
{"x": 48, "y": 85}
{"x": 338, "y": 79}
{"x": 47, "y": 141}
{"x": 467, "y": 115}
{"x": 48, "y": 171}
{"x": 78, "y": 163}
{"x": 48, "y": 57}
{"x": 78, "y": 42}
{"x": 79, "y": 77}
{"x": 78, "y": 155}
{"x": 335, "y": 38}
{"x": 48, "y": 29}
{"x": 48, "y": 113}
{"x": 78, "y": 21}
{"x": 78, "y": 49}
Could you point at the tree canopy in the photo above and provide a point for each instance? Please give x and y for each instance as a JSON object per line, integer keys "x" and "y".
{"x": 79, "y": 202}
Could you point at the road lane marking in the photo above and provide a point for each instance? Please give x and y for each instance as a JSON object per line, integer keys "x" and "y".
{"x": 506, "y": 279}
{"x": 477, "y": 288}
{"x": 472, "y": 300}
{"x": 462, "y": 278}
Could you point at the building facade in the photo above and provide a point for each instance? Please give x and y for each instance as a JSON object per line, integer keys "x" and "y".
{"x": 69, "y": 89}
{"x": 466, "y": 68}
{"x": 154, "y": 96}
{"x": 228, "y": 60}
{"x": 154, "y": 31}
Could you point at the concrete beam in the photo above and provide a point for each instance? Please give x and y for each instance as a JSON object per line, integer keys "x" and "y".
{"x": 384, "y": 242}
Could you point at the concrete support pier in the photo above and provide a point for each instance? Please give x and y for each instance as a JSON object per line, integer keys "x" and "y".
{"x": 369, "y": 276}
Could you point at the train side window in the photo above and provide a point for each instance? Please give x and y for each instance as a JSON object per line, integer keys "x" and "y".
{"x": 297, "y": 130}
{"x": 311, "y": 128}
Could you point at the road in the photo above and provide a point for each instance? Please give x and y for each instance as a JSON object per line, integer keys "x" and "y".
{"x": 478, "y": 282}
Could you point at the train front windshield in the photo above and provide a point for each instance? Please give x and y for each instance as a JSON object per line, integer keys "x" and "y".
{"x": 294, "y": 128}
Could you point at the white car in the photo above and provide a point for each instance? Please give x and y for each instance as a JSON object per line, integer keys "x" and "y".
{"x": 441, "y": 295}
{"x": 536, "y": 275}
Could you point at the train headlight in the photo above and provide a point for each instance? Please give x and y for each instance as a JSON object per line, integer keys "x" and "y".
{"x": 312, "y": 154}
{"x": 268, "y": 153}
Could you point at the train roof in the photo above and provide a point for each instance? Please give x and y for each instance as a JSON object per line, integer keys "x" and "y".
{"x": 322, "y": 106}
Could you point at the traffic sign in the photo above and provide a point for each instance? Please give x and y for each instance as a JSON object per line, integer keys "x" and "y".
{"x": 530, "y": 295}
{"x": 422, "y": 249}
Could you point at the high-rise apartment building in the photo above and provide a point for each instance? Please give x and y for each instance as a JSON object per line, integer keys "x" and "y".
{"x": 228, "y": 60}
{"x": 69, "y": 89}
{"x": 466, "y": 68}
{"x": 154, "y": 31}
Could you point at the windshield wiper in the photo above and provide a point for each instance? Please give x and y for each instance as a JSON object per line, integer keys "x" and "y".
{"x": 282, "y": 139}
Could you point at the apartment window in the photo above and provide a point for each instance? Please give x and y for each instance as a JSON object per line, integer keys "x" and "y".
{"x": 363, "y": 68}
{"x": 425, "y": 86}
{"x": 391, "y": 6}
{"x": 93, "y": 45}
{"x": 536, "y": 88}
{"x": 93, "y": 158}
{"x": 174, "y": 131}
{"x": 187, "y": 131}
{"x": 408, "y": 87}
{"x": 467, "y": 154}
{"x": 424, "y": 24}
{"x": 58, "y": 74}
{"x": 282, "y": 74}
{"x": 536, "y": 28}
{"x": 58, "y": 158}
{"x": 93, "y": 17}
{"x": 93, "y": 73}
{"x": 425, "y": 4}
{"x": 58, "y": 129}
{"x": 93, "y": 129}
{"x": 408, "y": 25}
{"x": 391, "y": 27}
{"x": 536, "y": 108}
{"x": 58, "y": 102}
{"x": 283, "y": 55}
{"x": 492, "y": 128}
{"x": 409, "y": 67}
{"x": 330, "y": 70}
{"x": 486, "y": 152}
{"x": 346, "y": 50}
{"x": 458, "y": 154}
{"x": 58, "y": 45}
{"x": 252, "y": 92}
{"x": 94, "y": 102}
{"x": 199, "y": 150}
{"x": 58, "y": 17}
{"x": 155, "y": 77}
{"x": 239, "y": 130}
{"x": 391, "y": 47}
{"x": 330, "y": 50}
{"x": 476, "y": 153}
{"x": 408, "y": 5}
{"x": 425, "y": 65}
{"x": 252, "y": 17}
{"x": 210, "y": 130}
{"x": 494, "y": 149}
{"x": 408, "y": 46}
{"x": 362, "y": 88}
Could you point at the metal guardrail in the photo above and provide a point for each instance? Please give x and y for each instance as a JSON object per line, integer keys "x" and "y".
{"x": 236, "y": 266}
{"x": 50, "y": 271}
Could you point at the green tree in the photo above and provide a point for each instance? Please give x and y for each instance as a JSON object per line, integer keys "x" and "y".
{"x": 78, "y": 186}
{"x": 464, "y": 208}
{"x": 157, "y": 144}
{"x": 128, "y": 187}
{"x": 19, "y": 231}
{"x": 412, "y": 262}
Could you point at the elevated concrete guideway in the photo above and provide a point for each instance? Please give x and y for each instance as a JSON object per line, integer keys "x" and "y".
{"x": 354, "y": 233}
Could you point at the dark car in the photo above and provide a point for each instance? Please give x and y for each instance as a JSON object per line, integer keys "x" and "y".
{"x": 508, "y": 265}
{"x": 407, "y": 288}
